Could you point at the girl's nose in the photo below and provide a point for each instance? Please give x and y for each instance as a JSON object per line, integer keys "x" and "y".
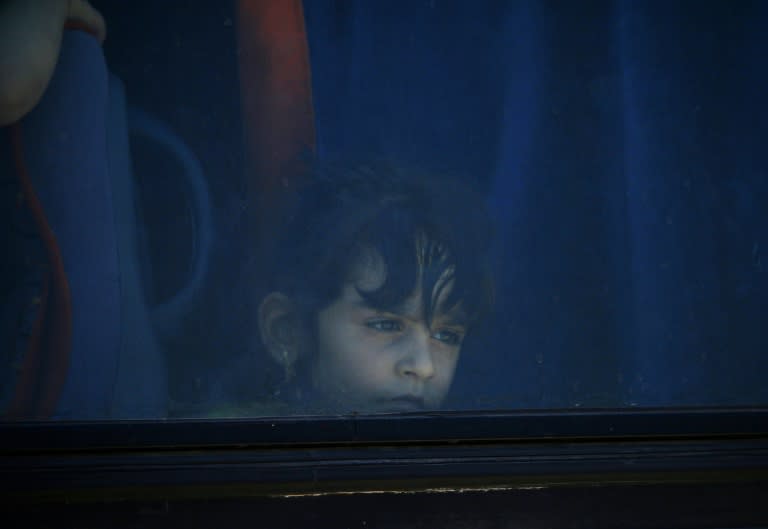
{"x": 416, "y": 360}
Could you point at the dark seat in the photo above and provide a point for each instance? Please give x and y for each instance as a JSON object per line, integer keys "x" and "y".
{"x": 76, "y": 156}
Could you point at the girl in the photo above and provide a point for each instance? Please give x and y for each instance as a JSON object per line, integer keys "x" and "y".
{"x": 376, "y": 276}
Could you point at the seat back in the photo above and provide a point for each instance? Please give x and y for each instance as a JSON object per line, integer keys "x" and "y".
{"x": 73, "y": 152}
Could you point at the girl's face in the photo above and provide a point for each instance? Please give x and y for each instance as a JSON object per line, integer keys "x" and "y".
{"x": 372, "y": 361}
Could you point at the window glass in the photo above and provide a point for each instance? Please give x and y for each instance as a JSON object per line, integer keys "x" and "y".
{"x": 244, "y": 209}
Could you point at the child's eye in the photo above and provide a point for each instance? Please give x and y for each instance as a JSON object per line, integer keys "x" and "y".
{"x": 385, "y": 325}
{"x": 448, "y": 337}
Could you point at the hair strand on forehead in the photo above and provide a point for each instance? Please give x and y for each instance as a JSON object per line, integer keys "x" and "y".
{"x": 428, "y": 233}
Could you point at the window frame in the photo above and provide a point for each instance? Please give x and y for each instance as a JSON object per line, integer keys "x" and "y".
{"x": 399, "y": 451}
{"x": 668, "y": 467}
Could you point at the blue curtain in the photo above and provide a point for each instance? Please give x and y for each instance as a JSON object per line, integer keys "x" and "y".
{"x": 622, "y": 147}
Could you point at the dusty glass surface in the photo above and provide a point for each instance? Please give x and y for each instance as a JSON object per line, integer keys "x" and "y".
{"x": 390, "y": 207}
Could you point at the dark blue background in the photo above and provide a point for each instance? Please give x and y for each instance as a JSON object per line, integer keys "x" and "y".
{"x": 621, "y": 145}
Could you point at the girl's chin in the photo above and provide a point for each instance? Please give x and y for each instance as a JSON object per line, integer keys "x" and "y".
{"x": 316, "y": 402}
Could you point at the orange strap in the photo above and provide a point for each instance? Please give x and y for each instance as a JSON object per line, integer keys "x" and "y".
{"x": 276, "y": 97}
{"x": 46, "y": 361}
{"x": 80, "y": 26}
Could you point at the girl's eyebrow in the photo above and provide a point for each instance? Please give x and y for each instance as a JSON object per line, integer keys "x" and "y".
{"x": 452, "y": 322}
{"x": 456, "y": 317}
{"x": 402, "y": 310}
{"x": 405, "y": 309}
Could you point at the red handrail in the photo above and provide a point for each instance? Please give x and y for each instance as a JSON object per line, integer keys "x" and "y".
{"x": 46, "y": 360}
{"x": 276, "y": 96}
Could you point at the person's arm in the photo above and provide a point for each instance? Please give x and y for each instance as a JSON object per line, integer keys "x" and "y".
{"x": 30, "y": 38}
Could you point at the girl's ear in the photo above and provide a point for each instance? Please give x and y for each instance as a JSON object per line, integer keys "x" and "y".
{"x": 281, "y": 329}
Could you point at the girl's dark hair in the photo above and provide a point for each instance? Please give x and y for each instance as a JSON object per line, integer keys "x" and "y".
{"x": 423, "y": 227}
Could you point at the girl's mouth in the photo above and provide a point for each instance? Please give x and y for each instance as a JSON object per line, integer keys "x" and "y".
{"x": 405, "y": 403}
